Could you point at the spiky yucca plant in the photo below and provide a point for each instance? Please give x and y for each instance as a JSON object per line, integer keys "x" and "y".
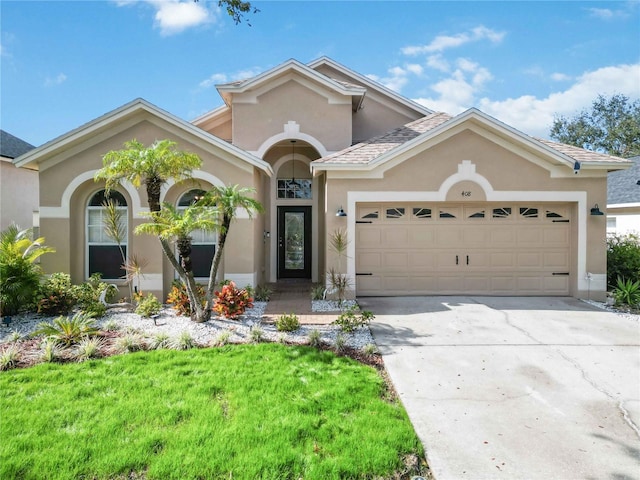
{"x": 68, "y": 330}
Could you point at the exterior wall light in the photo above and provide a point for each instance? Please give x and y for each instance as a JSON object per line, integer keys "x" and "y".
{"x": 341, "y": 213}
{"x": 596, "y": 210}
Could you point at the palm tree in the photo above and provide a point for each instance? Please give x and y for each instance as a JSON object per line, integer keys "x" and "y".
{"x": 227, "y": 199}
{"x": 173, "y": 225}
{"x": 19, "y": 273}
{"x": 150, "y": 166}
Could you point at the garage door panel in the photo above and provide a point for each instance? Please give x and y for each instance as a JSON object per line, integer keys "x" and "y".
{"x": 455, "y": 249}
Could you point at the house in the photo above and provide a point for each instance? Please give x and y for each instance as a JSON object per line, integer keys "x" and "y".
{"x": 431, "y": 203}
{"x": 18, "y": 186}
{"x": 623, "y": 200}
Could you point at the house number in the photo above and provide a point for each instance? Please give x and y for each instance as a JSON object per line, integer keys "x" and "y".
{"x": 466, "y": 193}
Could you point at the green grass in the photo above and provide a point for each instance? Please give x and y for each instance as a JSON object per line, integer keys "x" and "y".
{"x": 262, "y": 411}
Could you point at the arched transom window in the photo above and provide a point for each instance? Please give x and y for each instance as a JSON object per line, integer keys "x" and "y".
{"x": 107, "y": 234}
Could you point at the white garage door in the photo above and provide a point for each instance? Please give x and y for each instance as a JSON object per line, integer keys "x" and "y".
{"x": 448, "y": 249}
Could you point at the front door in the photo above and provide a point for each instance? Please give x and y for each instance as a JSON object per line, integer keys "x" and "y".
{"x": 294, "y": 242}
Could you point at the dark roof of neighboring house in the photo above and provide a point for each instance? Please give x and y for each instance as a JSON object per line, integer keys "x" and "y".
{"x": 12, "y": 147}
{"x": 622, "y": 185}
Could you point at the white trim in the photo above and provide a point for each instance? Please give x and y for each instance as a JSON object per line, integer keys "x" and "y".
{"x": 466, "y": 171}
{"x": 63, "y": 211}
{"x": 623, "y": 205}
{"x": 290, "y": 131}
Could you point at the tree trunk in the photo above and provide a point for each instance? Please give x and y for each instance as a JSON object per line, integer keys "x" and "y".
{"x": 213, "y": 274}
{"x": 154, "y": 186}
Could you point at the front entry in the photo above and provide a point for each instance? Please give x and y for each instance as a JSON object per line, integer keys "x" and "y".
{"x": 294, "y": 242}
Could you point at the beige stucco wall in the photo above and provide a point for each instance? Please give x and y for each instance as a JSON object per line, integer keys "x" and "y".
{"x": 68, "y": 235}
{"x": 253, "y": 123}
{"x": 18, "y": 195}
{"x": 505, "y": 171}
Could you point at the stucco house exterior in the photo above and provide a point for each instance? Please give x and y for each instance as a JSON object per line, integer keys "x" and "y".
{"x": 431, "y": 203}
{"x": 623, "y": 200}
{"x": 18, "y": 186}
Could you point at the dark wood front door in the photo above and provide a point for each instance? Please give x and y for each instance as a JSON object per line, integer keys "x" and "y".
{"x": 294, "y": 242}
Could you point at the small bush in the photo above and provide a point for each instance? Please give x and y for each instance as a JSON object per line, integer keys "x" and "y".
{"x": 315, "y": 338}
{"x": 13, "y": 337}
{"x": 111, "y": 326}
{"x": 89, "y": 348}
{"x": 341, "y": 342}
{"x": 50, "y": 351}
{"x": 130, "y": 342}
{"x": 184, "y": 341}
{"x": 68, "y": 330}
{"x": 263, "y": 293}
{"x": 287, "y": 323}
{"x": 179, "y": 300}
{"x": 627, "y": 292}
{"x": 623, "y": 258}
{"x": 9, "y": 357}
{"x": 88, "y": 295}
{"x": 349, "y": 321}
{"x": 231, "y": 302}
{"x": 318, "y": 292}
{"x": 160, "y": 340}
{"x": 370, "y": 349}
{"x": 257, "y": 334}
{"x": 222, "y": 338}
{"x": 148, "y": 306}
{"x": 56, "y": 295}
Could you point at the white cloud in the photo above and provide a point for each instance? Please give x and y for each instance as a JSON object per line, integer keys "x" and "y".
{"x": 534, "y": 116}
{"x": 438, "y": 63}
{"x": 560, "y": 77}
{"x": 175, "y": 16}
{"x": 445, "y": 42}
{"x": 217, "y": 78}
{"x": 57, "y": 80}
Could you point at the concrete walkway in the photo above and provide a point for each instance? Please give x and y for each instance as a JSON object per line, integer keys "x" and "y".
{"x": 515, "y": 388}
{"x": 294, "y": 296}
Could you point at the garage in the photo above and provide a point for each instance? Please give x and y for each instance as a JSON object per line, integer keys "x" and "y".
{"x": 463, "y": 248}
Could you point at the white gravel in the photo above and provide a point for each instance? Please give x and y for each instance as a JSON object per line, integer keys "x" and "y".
{"x": 204, "y": 333}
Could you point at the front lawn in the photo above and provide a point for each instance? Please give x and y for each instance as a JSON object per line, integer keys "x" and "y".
{"x": 263, "y": 411}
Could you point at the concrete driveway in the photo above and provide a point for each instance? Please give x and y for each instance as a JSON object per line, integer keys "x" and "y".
{"x": 529, "y": 388}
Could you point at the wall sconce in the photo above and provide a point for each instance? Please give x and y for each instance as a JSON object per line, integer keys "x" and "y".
{"x": 576, "y": 167}
{"x": 596, "y": 210}
{"x": 266, "y": 235}
{"x": 341, "y": 212}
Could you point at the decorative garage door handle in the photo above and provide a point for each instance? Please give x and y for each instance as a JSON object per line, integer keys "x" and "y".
{"x": 456, "y": 259}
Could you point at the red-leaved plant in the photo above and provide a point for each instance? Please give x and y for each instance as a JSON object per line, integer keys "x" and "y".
{"x": 231, "y": 302}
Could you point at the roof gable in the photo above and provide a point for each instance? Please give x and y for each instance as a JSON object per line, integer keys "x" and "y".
{"x": 123, "y": 116}
{"x": 260, "y": 82}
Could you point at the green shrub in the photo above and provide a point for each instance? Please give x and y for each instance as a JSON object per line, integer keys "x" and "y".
{"x": 56, "y": 295}
{"x": 68, "y": 330}
{"x": 179, "y": 300}
{"x": 627, "y": 292}
{"x": 341, "y": 342}
{"x": 287, "y": 323}
{"x": 349, "y": 321}
{"x": 263, "y": 293}
{"x": 130, "y": 342}
{"x": 13, "y": 337}
{"x": 88, "y": 295}
{"x": 623, "y": 258}
{"x": 370, "y": 349}
{"x": 160, "y": 340}
{"x": 111, "y": 326}
{"x": 9, "y": 357}
{"x": 318, "y": 292}
{"x": 148, "y": 306}
{"x": 89, "y": 348}
{"x": 315, "y": 338}
{"x": 19, "y": 273}
{"x": 256, "y": 333}
{"x": 231, "y": 302}
{"x": 222, "y": 338}
{"x": 184, "y": 341}
{"x": 50, "y": 351}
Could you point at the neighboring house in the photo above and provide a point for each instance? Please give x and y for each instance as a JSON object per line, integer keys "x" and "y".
{"x": 432, "y": 204}
{"x": 18, "y": 186}
{"x": 623, "y": 200}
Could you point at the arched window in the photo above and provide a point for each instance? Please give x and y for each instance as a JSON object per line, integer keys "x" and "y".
{"x": 203, "y": 246}
{"x": 106, "y": 249}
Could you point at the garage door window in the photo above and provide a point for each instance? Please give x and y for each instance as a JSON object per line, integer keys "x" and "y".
{"x": 502, "y": 212}
{"x": 422, "y": 212}
{"x": 395, "y": 212}
{"x": 526, "y": 212}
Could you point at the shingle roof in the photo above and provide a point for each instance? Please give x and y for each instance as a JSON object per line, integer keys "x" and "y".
{"x": 580, "y": 154}
{"x": 364, "y": 152}
{"x": 12, "y": 147}
{"x": 622, "y": 186}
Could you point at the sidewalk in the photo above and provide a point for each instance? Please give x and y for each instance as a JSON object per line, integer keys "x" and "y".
{"x": 295, "y": 297}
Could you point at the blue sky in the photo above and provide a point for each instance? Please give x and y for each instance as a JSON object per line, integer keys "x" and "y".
{"x": 65, "y": 63}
